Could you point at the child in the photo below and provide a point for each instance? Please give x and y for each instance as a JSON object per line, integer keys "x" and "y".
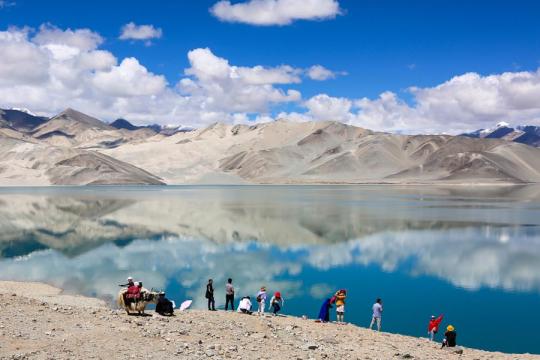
{"x": 276, "y": 302}
{"x": 261, "y": 299}
{"x": 341, "y": 295}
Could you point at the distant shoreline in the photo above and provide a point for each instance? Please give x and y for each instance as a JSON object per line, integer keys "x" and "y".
{"x": 408, "y": 184}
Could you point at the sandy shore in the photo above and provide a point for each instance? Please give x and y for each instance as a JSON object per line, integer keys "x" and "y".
{"x": 40, "y": 322}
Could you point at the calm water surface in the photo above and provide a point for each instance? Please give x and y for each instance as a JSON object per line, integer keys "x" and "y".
{"x": 472, "y": 254}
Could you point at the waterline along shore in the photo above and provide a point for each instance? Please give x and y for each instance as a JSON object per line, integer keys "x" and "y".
{"x": 41, "y": 322}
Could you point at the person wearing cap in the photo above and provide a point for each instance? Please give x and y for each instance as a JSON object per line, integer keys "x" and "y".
{"x": 450, "y": 337}
{"x": 276, "y": 302}
{"x": 433, "y": 326}
{"x": 129, "y": 282}
{"x": 261, "y": 299}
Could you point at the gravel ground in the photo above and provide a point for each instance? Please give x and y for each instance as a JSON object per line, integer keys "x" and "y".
{"x": 39, "y": 322}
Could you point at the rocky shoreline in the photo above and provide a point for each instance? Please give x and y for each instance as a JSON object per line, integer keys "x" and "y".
{"x": 40, "y": 322}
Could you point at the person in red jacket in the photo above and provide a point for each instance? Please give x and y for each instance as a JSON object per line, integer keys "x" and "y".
{"x": 433, "y": 326}
{"x": 133, "y": 293}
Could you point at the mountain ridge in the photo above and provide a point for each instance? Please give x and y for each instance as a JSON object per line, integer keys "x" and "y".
{"x": 274, "y": 152}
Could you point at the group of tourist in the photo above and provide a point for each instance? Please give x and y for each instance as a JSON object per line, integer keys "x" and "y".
{"x": 245, "y": 306}
{"x": 133, "y": 293}
{"x": 338, "y": 299}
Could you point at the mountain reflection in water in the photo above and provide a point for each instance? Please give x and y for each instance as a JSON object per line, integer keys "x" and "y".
{"x": 291, "y": 238}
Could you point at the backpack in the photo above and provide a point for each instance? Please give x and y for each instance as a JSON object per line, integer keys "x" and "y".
{"x": 259, "y": 298}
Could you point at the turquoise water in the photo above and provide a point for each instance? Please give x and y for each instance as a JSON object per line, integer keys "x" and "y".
{"x": 472, "y": 254}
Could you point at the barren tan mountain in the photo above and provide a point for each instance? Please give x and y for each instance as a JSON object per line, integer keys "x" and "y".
{"x": 25, "y": 163}
{"x": 274, "y": 152}
{"x": 328, "y": 152}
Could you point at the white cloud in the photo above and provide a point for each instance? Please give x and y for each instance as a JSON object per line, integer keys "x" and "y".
{"x": 217, "y": 86}
{"x": 320, "y": 73}
{"x": 275, "y": 12}
{"x": 82, "y": 39}
{"x": 51, "y": 69}
{"x": 129, "y": 79}
{"x": 22, "y": 62}
{"x": 324, "y": 107}
{"x": 463, "y": 103}
{"x": 131, "y": 31}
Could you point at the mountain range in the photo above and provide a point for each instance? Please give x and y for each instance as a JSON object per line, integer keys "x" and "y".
{"x": 73, "y": 148}
{"x": 524, "y": 134}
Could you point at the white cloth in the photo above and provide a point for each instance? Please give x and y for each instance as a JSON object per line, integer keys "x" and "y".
{"x": 229, "y": 289}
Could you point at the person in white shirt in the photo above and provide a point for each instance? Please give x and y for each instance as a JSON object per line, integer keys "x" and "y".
{"x": 245, "y": 305}
{"x": 261, "y": 299}
{"x": 377, "y": 314}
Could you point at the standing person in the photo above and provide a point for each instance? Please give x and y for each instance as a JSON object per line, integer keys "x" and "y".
{"x": 377, "y": 314}
{"x": 341, "y": 295}
{"x": 229, "y": 295}
{"x": 450, "y": 337}
{"x": 210, "y": 295}
{"x": 433, "y": 326}
{"x": 261, "y": 299}
{"x": 324, "y": 313}
{"x": 276, "y": 302}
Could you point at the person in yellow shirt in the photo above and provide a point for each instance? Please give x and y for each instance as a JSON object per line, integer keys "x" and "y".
{"x": 340, "y": 296}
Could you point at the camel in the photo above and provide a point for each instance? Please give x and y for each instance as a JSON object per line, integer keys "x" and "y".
{"x": 147, "y": 297}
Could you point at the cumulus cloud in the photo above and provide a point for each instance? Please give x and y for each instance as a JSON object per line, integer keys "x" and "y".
{"x": 50, "y": 69}
{"x": 129, "y": 79}
{"x": 275, "y": 12}
{"x": 320, "y": 73}
{"x": 131, "y": 31}
{"x": 82, "y": 39}
{"x": 218, "y": 86}
{"x": 463, "y": 103}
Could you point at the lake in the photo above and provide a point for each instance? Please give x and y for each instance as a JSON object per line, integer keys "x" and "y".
{"x": 470, "y": 253}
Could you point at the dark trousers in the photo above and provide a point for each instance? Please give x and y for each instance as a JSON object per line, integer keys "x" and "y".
{"x": 211, "y": 303}
{"x": 229, "y": 298}
{"x": 276, "y": 308}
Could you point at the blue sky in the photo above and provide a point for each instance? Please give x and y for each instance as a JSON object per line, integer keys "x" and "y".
{"x": 381, "y": 45}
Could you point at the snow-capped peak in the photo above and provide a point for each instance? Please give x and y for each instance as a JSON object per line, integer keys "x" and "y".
{"x": 502, "y": 124}
{"x": 25, "y": 110}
